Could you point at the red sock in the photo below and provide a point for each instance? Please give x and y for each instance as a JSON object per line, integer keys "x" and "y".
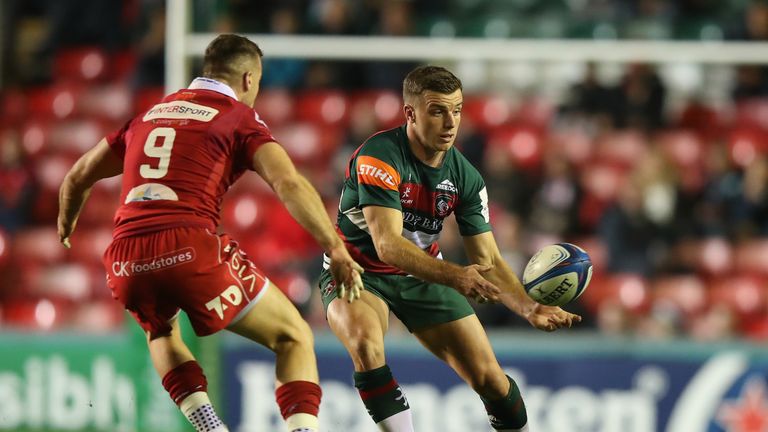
{"x": 298, "y": 397}
{"x": 184, "y": 380}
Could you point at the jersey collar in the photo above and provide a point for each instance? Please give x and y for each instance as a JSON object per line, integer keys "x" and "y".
{"x": 201, "y": 83}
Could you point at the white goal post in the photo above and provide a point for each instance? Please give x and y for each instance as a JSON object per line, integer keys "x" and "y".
{"x": 182, "y": 44}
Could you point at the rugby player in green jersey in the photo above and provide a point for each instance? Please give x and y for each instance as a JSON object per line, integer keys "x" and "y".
{"x": 400, "y": 185}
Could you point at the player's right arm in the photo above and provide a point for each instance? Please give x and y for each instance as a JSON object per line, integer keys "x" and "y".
{"x": 98, "y": 163}
{"x": 386, "y": 227}
{"x": 303, "y": 202}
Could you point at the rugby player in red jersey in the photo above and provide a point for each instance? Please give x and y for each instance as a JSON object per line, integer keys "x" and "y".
{"x": 177, "y": 160}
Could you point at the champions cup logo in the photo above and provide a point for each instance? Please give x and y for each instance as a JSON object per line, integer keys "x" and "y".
{"x": 726, "y": 394}
{"x": 162, "y": 262}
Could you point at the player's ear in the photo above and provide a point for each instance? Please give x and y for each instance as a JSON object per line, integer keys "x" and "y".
{"x": 247, "y": 80}
{"x": 410, "y": 114}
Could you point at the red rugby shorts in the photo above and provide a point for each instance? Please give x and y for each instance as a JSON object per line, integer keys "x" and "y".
{"x": 206, "y": 275}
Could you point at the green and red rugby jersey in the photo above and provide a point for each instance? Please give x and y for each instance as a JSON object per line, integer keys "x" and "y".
{"x": 385, "y": 172}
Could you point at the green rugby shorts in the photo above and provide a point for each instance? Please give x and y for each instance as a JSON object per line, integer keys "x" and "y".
{"x": 416, "y": 303}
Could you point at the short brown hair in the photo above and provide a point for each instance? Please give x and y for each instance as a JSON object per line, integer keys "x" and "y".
{"x": 434, "y": 78}
{"x": 226, "y": 54}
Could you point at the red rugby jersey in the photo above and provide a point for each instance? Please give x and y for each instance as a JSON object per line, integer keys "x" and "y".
{"x": 181, "y": 156}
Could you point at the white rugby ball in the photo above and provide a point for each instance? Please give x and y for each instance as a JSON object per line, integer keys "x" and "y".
{"x": 557, "y": 274}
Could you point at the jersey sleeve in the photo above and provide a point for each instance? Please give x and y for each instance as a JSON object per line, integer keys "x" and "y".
{"x": 116, "y": 140}
{"x": 377, "y": 176}
{"x": 253, "y": 133}
{"x": 472, "y": 213}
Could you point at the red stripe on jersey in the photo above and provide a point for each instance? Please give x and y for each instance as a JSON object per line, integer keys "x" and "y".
{"x": 378, "y": 391}
{"x": 414, "y": 196}
{"x": 433, "y": 250}
{"x": 369, "y": 263}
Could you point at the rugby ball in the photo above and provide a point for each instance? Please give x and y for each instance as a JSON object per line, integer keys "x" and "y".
{"x": 557, "y": 274}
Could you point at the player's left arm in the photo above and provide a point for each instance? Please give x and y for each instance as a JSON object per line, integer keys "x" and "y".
{"x": 482, "y": 249}
{"x": 98, "y": 163}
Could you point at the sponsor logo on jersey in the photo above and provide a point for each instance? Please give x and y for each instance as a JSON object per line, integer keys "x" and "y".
{"x": 162, "y": 262}
{"x": 181, "y": 110}
{"x": 446, "y": 185}
{"x": 151, "y": 192}
{"x": 405, "y": 196}
{"x": 419, "y": 221}
{"x": 232, "y": 296}
{"x": 375, "y": 172}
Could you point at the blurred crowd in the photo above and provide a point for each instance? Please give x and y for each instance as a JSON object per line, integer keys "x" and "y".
{"x": 666, "y": 189}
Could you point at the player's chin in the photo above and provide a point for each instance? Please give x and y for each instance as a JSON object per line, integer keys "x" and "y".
{"x": 443, "y": 145}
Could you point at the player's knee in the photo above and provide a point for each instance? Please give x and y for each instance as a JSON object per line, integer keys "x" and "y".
{"x": 489, "y": 382}
{"x": 366, "y": 352}
{"x": 295, "y": 335}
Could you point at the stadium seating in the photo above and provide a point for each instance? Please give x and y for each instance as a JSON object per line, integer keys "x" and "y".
{"x": 746, "y": 143}
{"x": 326, "y": 107}
{"x": 55, "y": 102}
{"x": 275, "y": 106}
{"x": 687, "y": 293}
{"x": 523, "y": 145}
{"x": 85, "y": 64}
{"x": 745, "y": 295}
{"x": 630, "y": 291}
{"x": 751, "y": 256}
{"x": 59, "y": 288}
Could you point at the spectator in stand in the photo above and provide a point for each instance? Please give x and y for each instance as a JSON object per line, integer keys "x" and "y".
{"x": 752, "y": 208}
{"x": 507, "y": 184}
{"x": 592, "y": 100}
{"x": 150, "y": 49}
{"x": 395, "y": 18}
{"x": 642, "y": 95}
{"x": 282, "y": 72}
{"x": 555, "y": 205}
{"x": 65, "y": 23}
{"x": 753, "y": 25}
{"x": 333, "y": 18}
{"x": 751, "y": 80}
{"x": 643, "y": 227}
{"x": 628, "y": 234}
{"x": 17, "y": 188}
{"x": 714, "y": 209}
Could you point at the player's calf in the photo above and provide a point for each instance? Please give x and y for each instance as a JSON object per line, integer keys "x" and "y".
{"x": 299, "y": 403}
{"x": 507, "y": 413}
{"x": 384, "y": 400}
{"x": 188, "y": 387}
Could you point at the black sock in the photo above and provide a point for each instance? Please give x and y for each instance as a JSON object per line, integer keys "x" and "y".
{"x": 509, "y": 411}
{"x": 380, "y": 393}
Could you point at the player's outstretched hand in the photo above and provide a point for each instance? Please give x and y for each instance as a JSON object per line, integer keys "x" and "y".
{"x": 346, "y": 273}
{"x": 551, "y": 318}
{"x": 65, "y": 230}
{"x": 472, "y": 284}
